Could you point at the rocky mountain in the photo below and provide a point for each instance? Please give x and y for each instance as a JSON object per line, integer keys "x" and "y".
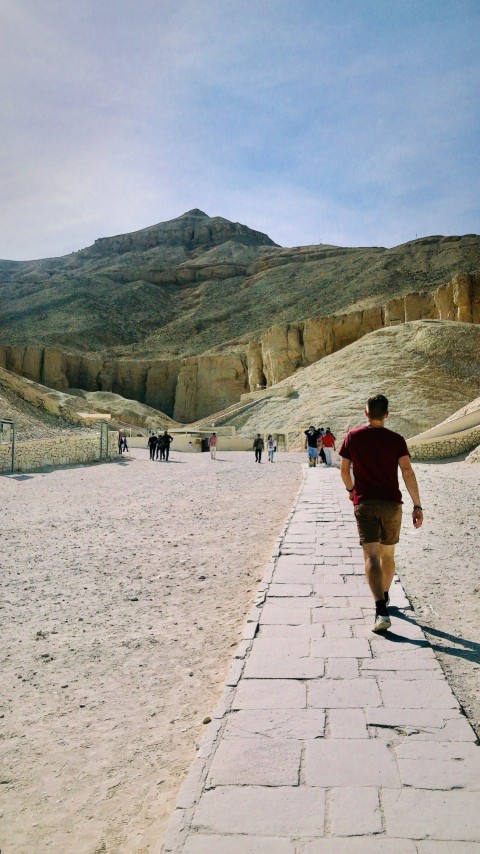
{"x": 195, "y": 386}
{"x": 183, "y": 287}
{"x": 187, "y": 315}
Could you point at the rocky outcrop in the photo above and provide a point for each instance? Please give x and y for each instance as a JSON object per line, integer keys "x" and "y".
{"x": 209, "y": 383}
{"x": 286, "y": 347}
{"x": 193, "y": 229}
{"x": 192, "y": 388}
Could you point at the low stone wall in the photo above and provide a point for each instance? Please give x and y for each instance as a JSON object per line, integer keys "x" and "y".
{"x": 445, "y": 446}
{"x": 68, "y": 449}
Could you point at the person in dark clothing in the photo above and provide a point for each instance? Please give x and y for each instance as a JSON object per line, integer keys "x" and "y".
{"x": 152, "y": 444}
{"x": 167, "y": 440}
{"x": 311, "y": 444}
{"x": 160, "y": 447}
{"x": 258, "y": 446}
{"x": 120, "y": 443}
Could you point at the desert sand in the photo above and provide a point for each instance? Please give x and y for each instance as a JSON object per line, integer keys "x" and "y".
{"x": 125, "y": 590}
{"x": 126, "y": 586}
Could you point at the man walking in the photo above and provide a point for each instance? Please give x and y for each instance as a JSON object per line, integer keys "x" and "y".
{"x": 212, "y": 444}
{"x": 258, "y": 446}
{"x": 152, "y": 444}
{"x": 375, "y": 454}
{"x": 311, "y": 444}
{"x": 167, "y": 440}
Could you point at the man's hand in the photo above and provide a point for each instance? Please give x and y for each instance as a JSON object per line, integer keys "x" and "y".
{"x": 417, "y": 516}
{"x": 350, "y": 495}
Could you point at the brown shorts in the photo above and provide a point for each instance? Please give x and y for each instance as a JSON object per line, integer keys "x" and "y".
{"x": 378, "y": 521}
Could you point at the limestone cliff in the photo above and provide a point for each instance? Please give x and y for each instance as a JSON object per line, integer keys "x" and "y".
{"x": 192, "y": 388}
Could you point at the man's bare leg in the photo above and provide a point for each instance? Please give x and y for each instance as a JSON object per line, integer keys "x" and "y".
{"x": 373, "y": 553}
{"x": 373, "y": 569}
{"x": 387, "y": 563}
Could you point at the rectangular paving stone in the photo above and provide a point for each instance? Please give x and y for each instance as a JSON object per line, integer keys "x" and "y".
{"x": 340, "y": 648}
{"x": 338, "y": 630}
{"x": 207, "y": 844}
{"x": 439, "y": 765}
{"x": 294, "y": 574}
{"x": 403, "y": 693}
{"x": 421, "y": 814}
{"x": 255, "y": 762}
{"x": 200, "y": 843}
{"x": 342, "y": 668}
{"x": 415, "y": 675}
{"x": 275, "y": 614}
{"x": 297, "y": 560}
{"x": 351, "y": 694}
{"x": 328, "y": 615}
{"x": 290, "y": 812}
{"x": 347, "y": 723}
{"x": 420, "y": 724}
{"x": 350, "y": 763}
{"x": 402, "y": 661}
{"x": 338, "y": 601}
{"x": 299, "y": 647}
{"x": 436, "y": 847}
{"x": 298, "y": 724}
{"x": 352, "y": 587}
{"x": 359, "y": 845}
{"x": 312, "y": 630}
{"x": 271, "y": 666}
{"x": 270, "y": 694}
{"x": 289, "y": 590}
{"x": 354, "y": 812}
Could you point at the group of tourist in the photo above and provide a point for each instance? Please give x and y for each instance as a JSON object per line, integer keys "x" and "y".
{"x": 259, "y": 447}
{"x": 319, "y": 444}
{"x": 122, "y": 443}
{"x": 159, "y": 446}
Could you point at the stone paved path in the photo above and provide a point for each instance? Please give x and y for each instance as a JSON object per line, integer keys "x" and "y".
{"x": 330, "y": 738}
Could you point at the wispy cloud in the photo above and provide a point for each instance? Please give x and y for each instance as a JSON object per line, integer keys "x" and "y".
{"x": 355, "y": 123}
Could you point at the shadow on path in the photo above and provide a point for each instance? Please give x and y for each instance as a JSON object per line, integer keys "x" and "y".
{"x": 469, "y": 652}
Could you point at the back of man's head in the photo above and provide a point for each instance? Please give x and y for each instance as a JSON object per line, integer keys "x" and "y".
{"x": 377, "y": 407}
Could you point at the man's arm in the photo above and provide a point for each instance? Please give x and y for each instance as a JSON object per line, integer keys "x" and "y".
{"x": 346, "y": 475}
{"x": 410, "y": 481}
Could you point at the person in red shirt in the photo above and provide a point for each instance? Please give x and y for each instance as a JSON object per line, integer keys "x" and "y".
{"x": 328, "y": 444}
{"x": 375, "y": 453}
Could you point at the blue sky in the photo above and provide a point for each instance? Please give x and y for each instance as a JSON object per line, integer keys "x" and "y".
{"x": 353, "y": 122}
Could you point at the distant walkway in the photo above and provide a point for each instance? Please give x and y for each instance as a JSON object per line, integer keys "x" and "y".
{"x": 330, "y": 738}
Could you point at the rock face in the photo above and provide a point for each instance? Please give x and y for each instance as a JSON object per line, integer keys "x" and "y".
{"x": 209, "y": 383}
{"x": 193, "y": 229}
{"x": 192, "y": 388}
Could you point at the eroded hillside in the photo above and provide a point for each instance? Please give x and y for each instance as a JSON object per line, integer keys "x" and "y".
{"x": 428, "y": 369}
{"x": 182, "y": 287}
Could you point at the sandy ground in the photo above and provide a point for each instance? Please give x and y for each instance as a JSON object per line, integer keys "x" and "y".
{"x": 439, "y": 566}
{"x": 126, "y": 587}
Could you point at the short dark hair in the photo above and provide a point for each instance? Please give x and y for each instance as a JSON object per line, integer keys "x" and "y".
{"x": 377, "y": 406}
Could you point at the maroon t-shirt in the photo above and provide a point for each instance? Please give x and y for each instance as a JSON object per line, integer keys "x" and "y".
{"x": 374, "y": 452}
